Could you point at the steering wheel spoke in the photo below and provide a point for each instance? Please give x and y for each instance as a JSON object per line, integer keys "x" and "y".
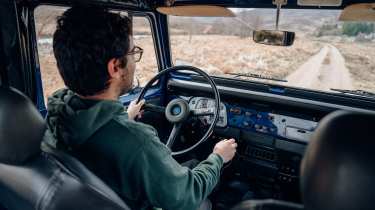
{"x": 154, "y": 108}
{"x": 174, "y": 134}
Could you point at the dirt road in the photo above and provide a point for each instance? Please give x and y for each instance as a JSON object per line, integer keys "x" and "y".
{"x": 323, "y": 71}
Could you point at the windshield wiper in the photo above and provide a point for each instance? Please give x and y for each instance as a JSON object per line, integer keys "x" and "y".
{"x": 257, "y": 76}
{"x": 356, "y": 92}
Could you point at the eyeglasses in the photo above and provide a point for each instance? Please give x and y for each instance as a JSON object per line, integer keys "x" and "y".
{"x": 137, "y": 52}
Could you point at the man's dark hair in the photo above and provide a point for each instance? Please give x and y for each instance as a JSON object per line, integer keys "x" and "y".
{"x": 85, "y": 40}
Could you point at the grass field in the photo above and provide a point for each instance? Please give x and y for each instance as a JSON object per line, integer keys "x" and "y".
{"x": 219, "y": 55}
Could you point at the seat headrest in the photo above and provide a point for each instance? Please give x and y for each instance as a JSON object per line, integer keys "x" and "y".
{"x": 338, "y": 170}
{"x": 21, "y": 127}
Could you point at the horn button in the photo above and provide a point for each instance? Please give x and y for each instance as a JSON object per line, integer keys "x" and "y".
{"x": 177, "y": 110}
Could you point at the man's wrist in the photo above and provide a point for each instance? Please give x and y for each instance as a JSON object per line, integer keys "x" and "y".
{"x": 219, "y": 157}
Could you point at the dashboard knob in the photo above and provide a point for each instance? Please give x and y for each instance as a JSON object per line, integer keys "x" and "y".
{"x": 247, "y": 124}
{"x": 248, "y": 114}
{"x": 235, "y": 110}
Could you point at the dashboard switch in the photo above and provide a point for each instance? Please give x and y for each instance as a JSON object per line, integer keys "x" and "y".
{"x": 247, "y": 124}
{"x": 235, "y": 110}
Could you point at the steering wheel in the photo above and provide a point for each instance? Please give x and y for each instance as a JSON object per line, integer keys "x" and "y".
{"x": 178, "y": 110}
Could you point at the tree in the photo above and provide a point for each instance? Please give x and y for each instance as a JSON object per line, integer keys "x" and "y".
{"x": 353, "y": 29}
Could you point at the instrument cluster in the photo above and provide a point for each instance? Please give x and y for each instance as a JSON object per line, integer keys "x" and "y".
{"x": 205, "y": 107}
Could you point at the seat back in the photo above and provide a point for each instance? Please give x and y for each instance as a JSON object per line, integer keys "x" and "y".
{"x": 338, "y": 170}
{"x": 35, "y": 179}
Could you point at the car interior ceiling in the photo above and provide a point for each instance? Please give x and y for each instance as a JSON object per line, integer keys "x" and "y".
{"x": 299, "y": 152}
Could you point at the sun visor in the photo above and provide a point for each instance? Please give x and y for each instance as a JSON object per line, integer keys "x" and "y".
{"x": 358, "y": 12}
{"x": 196, "y": 11}
{"x": 321, "y": 3}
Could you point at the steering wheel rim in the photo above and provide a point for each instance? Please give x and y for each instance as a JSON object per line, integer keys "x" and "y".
{"x": 175, "y": 126}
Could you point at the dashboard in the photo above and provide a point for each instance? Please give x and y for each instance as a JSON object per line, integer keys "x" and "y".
{"x": 271, "y": 144}
{"x": 250, "y": 119}
{"x": 272, "y": 125}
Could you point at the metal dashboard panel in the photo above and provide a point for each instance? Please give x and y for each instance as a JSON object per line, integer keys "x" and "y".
{"x": 293, "y": 128}
{"x": 271, "y": 124}
{"x": 248, "y": 119}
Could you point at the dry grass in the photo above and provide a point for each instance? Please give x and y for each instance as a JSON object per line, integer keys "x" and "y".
{"x": 360, "y": 60}
{"x": 52, "y": 80}
{"x": 229, "y": 54}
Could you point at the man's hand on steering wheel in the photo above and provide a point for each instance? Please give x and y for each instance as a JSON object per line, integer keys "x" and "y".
{"x": 134, "y": 109}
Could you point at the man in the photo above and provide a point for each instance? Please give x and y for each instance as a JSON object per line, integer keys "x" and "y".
{"x": 96, "y": 58}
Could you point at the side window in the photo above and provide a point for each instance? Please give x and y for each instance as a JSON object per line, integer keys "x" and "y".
{"x": 142, "y": 33}
{"x": 45, "y": 21}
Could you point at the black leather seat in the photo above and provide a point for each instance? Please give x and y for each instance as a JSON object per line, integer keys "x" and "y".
{"x": 338, "y": 169}
{"x": 32, "y": 179}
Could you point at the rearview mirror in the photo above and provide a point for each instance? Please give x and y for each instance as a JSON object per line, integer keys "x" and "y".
{"x": 274, "y": 37}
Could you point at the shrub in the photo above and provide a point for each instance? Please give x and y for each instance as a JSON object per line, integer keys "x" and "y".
{"x": 353, "y": 29}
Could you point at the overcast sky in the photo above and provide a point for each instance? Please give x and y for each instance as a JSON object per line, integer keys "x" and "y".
{"x": 235, "y": 10}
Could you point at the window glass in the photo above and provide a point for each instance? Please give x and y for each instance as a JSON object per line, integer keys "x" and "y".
{"x": 45, "y": 20}
{"x": 327, "y": 53}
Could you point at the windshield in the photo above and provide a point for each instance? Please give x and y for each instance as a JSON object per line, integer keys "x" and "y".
{"x": 327, "y": 54}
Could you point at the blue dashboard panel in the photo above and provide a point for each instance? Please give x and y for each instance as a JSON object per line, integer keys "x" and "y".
{"x": 251, "y": 120}
{"x": 270, "y": 123}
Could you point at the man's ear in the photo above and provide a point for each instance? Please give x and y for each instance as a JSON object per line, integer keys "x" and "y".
{"x": 113, "y": 68}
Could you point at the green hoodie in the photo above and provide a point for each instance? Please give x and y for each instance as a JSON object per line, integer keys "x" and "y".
{"x": 128, "y": 155}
